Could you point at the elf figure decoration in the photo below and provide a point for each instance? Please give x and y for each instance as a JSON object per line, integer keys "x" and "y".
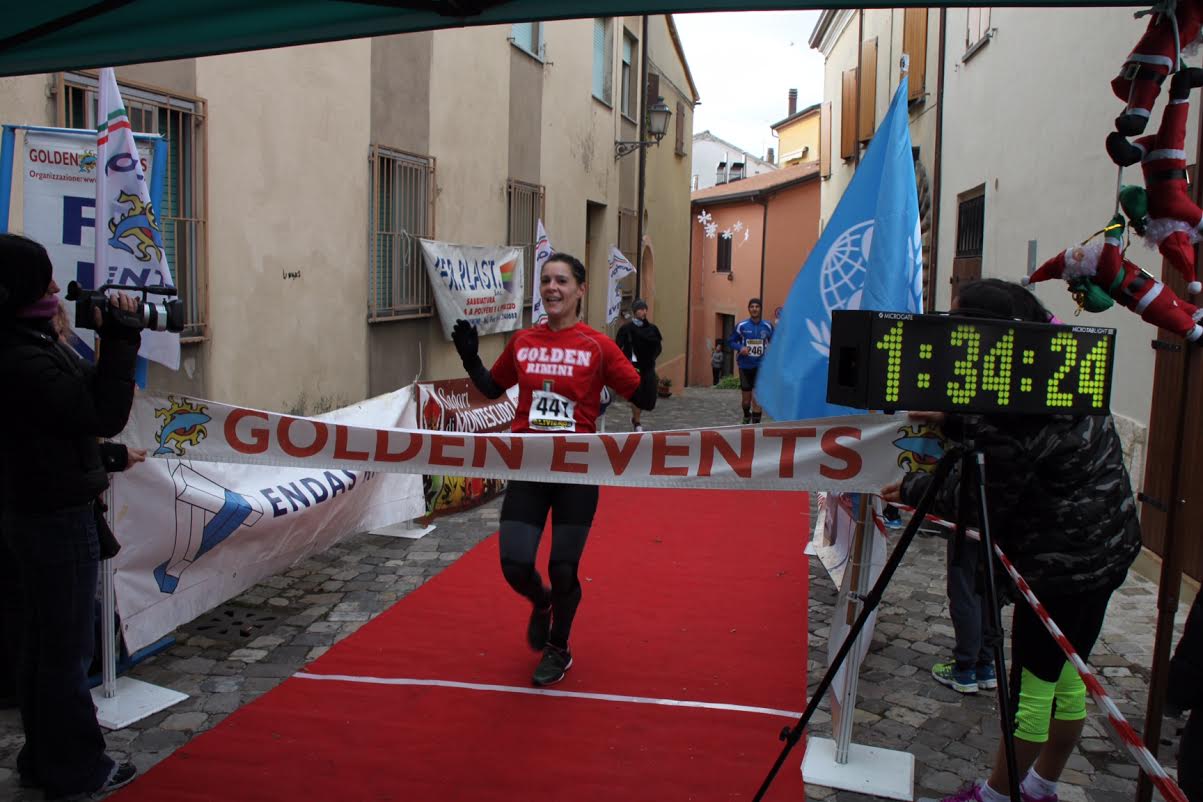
{"x": 1098, "y": 275}
{"x": 1174, "y": 28}
{"x": 1173, "y": 220}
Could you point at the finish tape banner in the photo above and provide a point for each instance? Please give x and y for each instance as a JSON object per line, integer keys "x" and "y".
{"x": 846, "y": 454}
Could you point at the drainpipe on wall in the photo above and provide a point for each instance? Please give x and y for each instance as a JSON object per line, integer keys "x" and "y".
{"x": 937, "y": 159}
{"x": 688, "y": 300}
{"x": 860, "y": 52}
{"x": 764, "y": 248}
{"x": 642, "y": 158}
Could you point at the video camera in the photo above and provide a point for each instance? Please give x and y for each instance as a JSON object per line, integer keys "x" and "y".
{"x": 167, "y": 315}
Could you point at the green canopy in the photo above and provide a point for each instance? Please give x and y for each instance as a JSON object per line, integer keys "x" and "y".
{"x": 48, "y": 35}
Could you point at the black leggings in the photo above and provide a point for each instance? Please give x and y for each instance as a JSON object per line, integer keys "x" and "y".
{"x": 523, "y": 516}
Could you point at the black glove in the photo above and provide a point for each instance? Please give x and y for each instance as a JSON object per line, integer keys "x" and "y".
{"x": 467, "y": 344}
{"x": 113, "y": 331}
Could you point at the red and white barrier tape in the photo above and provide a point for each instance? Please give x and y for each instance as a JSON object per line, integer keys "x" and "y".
{"x": 1119, "y": 725}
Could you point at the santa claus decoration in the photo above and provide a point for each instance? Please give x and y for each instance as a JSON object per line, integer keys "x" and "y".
{"x": 1173, "y": 220}
{"x": 1173, "y": 29}
{"x": 1098, "y": 273}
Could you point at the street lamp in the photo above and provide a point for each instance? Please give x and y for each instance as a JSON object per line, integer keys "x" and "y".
{"x": 657, "y": 127}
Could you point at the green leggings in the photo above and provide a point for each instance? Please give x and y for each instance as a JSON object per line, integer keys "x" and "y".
{"x": 1040, "y": 701}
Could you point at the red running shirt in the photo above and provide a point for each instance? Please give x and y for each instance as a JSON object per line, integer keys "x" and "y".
{"x": 560, "y": 376}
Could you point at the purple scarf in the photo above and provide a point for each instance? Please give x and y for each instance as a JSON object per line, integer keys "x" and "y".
{"x": 42, "y": 309}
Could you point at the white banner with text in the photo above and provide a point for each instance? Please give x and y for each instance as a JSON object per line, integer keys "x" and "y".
{"x": 482, "y": 284}
{"x": 853, "y": 453}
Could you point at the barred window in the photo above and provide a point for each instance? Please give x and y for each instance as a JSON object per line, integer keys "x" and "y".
{"x": 402, "y": 210}
{"x": 183, "y": 209}
{"x": 525, "y": 211}
{"x": 971, "y": 221}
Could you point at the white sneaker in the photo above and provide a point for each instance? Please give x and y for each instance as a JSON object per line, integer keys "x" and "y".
{"x": 638, "y": 428}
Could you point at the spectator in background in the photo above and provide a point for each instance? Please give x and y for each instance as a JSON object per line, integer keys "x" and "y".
{"x": 640, "y": 341}
{"x": 716, "y": 360}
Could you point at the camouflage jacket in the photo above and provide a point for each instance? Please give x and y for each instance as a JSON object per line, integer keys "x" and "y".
{"x": 1058, "y": 495}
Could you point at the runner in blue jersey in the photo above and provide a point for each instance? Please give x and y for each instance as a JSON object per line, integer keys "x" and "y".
{"x": 749, "y": 341}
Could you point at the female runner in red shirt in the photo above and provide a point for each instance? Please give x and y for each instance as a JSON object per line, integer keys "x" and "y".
{"x": 560, "y": 367}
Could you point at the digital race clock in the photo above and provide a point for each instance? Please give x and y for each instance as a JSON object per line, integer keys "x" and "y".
{"x": 894, "y": 360}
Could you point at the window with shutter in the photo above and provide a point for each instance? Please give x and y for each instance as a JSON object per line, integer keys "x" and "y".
{"x": 848, "y": 114}
{"x": 528, "y": 36}
{"x": 868, "y": 90}
{"x": 825, "y": 140}
{"x": 628, "y": 99}
{"x": 914, "y": 44}
{"x": 977, "y": 31}
{"x": 603, "y": 60}
{"x": 680, "y": 146}
{"x": 724, "y": 254}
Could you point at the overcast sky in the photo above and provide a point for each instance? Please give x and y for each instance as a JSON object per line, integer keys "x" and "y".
{"x": 744, "y": 64}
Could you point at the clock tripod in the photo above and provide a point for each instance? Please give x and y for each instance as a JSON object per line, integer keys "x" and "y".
{"x": 972, "y": 465}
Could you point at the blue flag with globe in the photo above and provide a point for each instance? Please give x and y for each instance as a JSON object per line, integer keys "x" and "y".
{"x": 870, "y": 256}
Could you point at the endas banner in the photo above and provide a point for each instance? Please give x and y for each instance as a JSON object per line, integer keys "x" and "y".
{"x": 195, "y": 534}
{"x": 479, "y": 283}
{"x": 854, "y": 453}
{"x": 455, "y": 405}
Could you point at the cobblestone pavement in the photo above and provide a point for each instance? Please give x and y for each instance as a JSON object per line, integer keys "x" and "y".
{"x": 228, "y": 657}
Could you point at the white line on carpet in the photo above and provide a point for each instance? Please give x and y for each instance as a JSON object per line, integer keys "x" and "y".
{"x": 604, "y": 697}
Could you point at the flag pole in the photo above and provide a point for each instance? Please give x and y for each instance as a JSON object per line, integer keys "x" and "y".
{"x": 119, "y": 703}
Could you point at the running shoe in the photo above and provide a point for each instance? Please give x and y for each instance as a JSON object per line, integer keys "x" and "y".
{"x": 122, "y": 774}
{"x": 538, "y": 627}
{"x": 961, "y": 680}
{"x": 969, "y": 793}
{"x": 987, "y": 681}
{"x": 553, "y": 666}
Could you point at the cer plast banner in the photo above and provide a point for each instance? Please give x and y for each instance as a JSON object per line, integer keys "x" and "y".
{"x": 855, "y": 453}
{"x": 482, "y": 284}
{"x": 455, "y": 405}
{"x": 196, "y": 533}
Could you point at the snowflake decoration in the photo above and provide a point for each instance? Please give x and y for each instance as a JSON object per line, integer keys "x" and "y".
{"x": 704, "y": 218}
{"x": 738, "y": 227}
{"x": 711, "y": 230}
{"x": 747, "y": 233}
{"x": 727, "y": 234}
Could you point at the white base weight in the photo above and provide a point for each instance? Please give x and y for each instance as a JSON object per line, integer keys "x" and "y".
{"x": 403, "y": 529}
{"x": 134, "y": 701}
{"x": 869, "y": 770}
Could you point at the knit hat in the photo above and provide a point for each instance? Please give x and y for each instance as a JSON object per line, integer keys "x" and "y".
{"x": 25, "y": 272}
{"x": 639, "y": 304}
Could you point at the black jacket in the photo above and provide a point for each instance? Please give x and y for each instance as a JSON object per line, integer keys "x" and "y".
{"x": 53, "y": 408}
{"x": 641, "y": 344}
{"x": 1058, "y": 494}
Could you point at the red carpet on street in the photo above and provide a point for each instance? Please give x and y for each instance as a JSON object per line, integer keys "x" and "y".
{"x": 690, "y": 657}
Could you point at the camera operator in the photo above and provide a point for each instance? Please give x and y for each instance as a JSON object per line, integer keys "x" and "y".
{"x": 54, "y": 408}
{"x": 1061, "y": 508}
